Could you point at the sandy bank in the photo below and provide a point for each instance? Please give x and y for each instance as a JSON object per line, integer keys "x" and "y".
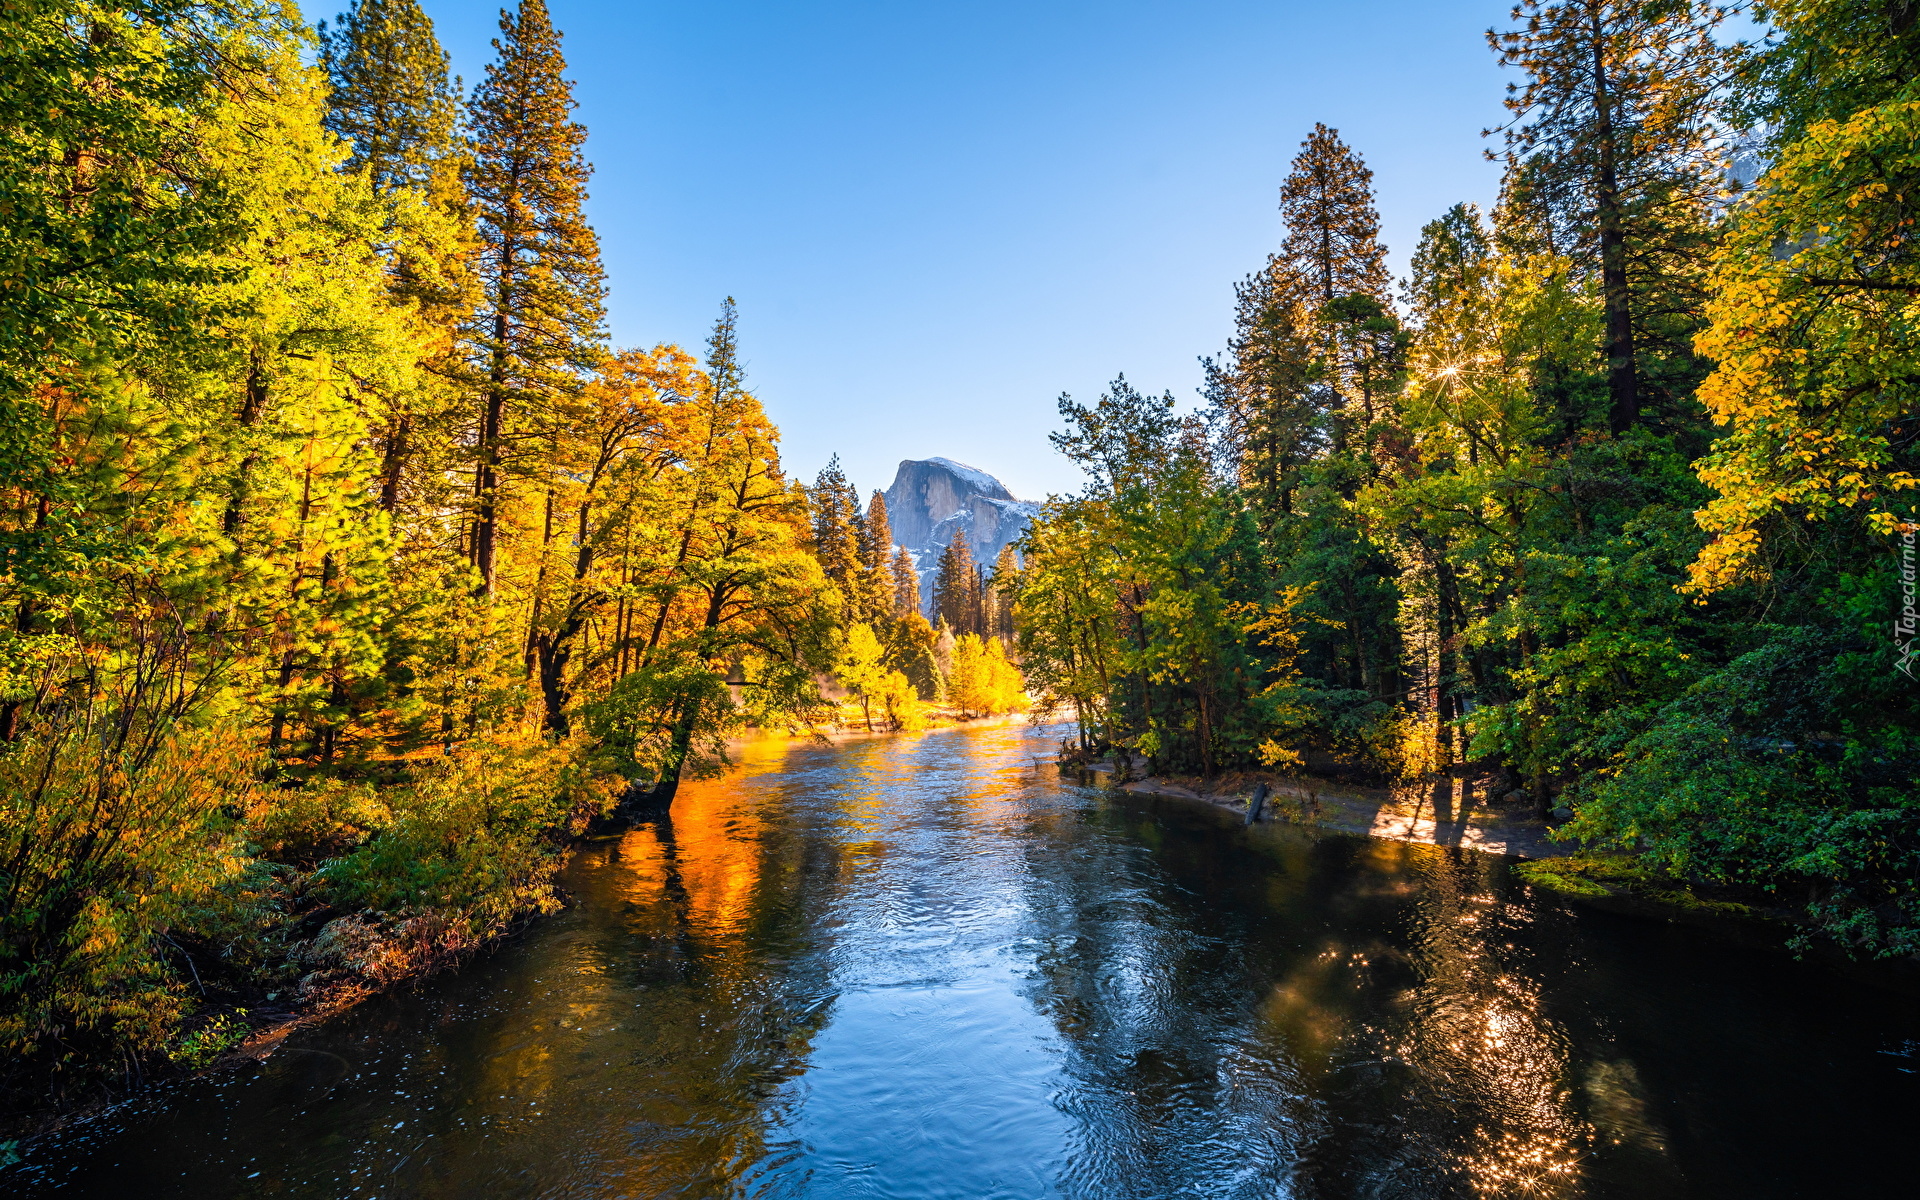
{"x": 1443, "y": 813}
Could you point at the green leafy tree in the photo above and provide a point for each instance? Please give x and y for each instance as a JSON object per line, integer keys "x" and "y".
{"x": 861, "y": 668}
{"x": 1826, "y": 61}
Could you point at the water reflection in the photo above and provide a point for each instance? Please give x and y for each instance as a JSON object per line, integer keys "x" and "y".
{"x": 922, "y": 967}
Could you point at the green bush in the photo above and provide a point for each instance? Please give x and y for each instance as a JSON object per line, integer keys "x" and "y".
{"x": 476, "y": 839}
{"x": 1784, "y": 772}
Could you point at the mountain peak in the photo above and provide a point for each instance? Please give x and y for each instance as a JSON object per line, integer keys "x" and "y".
{"x": 934, "y": 500}
{"x": 980, "y": 482}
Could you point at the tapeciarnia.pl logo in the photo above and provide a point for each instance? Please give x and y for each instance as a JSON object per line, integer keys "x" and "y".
{"x": 1908, "y": 623}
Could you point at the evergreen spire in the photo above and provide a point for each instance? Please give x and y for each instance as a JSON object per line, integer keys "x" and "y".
{"x": 906, "y": 584}
{"x": 540, "y": 324}
{"x": 392, "y": 98}
{"x": 878, "y": 547}
{"x": 955, "y": 585}
{"x": 724, "y": 369}
{"x": 836, "y": 537}
{"x": 1006, "y": 576}
{"x": 1268, "y": 385}
{"x": 1333, "y": 229}
{"x": 1303, "y": 346}
{"x": 1333, "y": 253}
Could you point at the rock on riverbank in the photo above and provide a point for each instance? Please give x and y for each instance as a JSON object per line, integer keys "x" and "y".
{"x": 1443, "y": 813}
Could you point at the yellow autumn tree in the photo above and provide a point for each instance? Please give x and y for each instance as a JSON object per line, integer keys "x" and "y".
{"x": 1816, "y": 330}
{"x": 983, "y": 681}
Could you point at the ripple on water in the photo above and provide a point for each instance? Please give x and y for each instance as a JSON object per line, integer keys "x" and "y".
{"x": 916, "y": 967}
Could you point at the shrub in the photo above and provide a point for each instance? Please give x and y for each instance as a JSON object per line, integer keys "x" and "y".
{"x": 476, "y": 839}
{"x": 111, "y": 836}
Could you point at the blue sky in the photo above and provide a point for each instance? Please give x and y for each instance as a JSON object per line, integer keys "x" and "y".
{"x": 938, "y": 217}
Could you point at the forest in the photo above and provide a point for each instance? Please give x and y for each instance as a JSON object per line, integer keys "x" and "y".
{"x": 1609, "y": 506}
{"x": 348, "y": 571}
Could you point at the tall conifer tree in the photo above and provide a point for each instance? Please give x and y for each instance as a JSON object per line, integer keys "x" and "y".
{"x": 1006, "y": 583}
{"x": 878, "y": 548}
{"x": 1312, "y": 332}
{"x": 1333, "y": 229}
{"x": 986, "y": 604}
{"x": 1611, "y": 151}
{"x": 392, "y": 98}
{"x": 1333, "y": 248}
{"x": 539, "y": 327}
{"x": 906, "y": 584}
{"x": 1267, "y": 385}
{"x": 836, "y": 536}
{"x": 955, "y": 585}
{"x": 876, "y": 558}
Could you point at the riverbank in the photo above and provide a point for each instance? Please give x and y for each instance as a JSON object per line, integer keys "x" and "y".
{"x": 244, "y": 1018}
{"x": 320, "y": 959}
{"x": 1447, "y": 812}
{"x": 916, "y": 966}
{"x": 847, "y": 731}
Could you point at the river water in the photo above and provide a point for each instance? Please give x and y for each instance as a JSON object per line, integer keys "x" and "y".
{"x": 924, "y": 966}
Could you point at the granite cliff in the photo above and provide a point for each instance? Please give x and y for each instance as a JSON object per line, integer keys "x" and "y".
{"x": 933, "y": 500}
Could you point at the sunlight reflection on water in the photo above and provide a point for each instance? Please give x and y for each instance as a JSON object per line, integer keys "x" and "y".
{"x": 923, "y": 967}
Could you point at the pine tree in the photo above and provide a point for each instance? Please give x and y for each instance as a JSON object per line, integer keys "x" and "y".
{"x": 1332, "y": 252}
{"x": 836, "y": 532}
{"x": 986, "y": 603}
{"x": 1006, "y": 584}
{"x": 539, "y": 328}
{"x": 876, "y": 560}
{"x": 877, "y": 549}
{"x": 1279, "y": 417}
{"x": 392, "y": 99}
{"x": 955, "y": 602}
{"x": 1450, "y": 268}
{"x": 1333, "y": 230}
{"x": 906, "y": 584}
{"x": 1312, "y": 332}
{"x": 1610, "y": 150}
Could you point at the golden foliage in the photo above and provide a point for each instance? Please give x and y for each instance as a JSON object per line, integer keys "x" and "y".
{"x": 1816, "y": 330}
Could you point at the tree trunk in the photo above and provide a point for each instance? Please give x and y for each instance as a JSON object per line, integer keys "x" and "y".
{"x": 1622, "y": 383}
{"x": 487, "y": 477}
{"x": 250, "y": 407}
{"x": 679, "y": 745}
{"x": 399, "y": 445}
{"x": 1446, "y": 707}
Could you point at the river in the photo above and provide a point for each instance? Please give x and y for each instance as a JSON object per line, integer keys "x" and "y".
{"x": 925, "y": 966}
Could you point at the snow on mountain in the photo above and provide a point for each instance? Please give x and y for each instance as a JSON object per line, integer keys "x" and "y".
{"x": 978, "y": 480}
{"x": 934, "y": 500}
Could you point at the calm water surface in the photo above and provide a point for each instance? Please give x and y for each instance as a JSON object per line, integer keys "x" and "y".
{"x": 925, "y": 967}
